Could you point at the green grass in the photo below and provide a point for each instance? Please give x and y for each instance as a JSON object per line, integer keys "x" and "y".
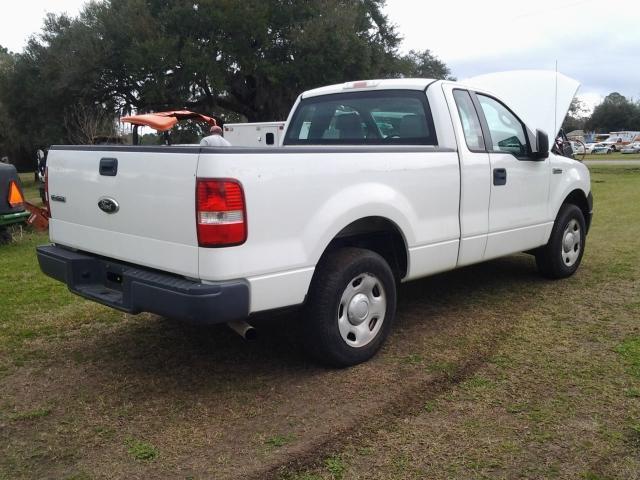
{"x": 30, "y": 188}
{"x": 141, "y": 450}
{"x": 630, "y": 351}
{"x": 278, "y": 441}
{"x": 612, "y": 156}
{"x": 29, "y": 301}
{"x": 335, "y": 466}
{"x": 31, "y": 414}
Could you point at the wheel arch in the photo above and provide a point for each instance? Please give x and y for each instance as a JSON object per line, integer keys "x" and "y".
{"x": 379, "y": 234}
{"x": 578, "y": 198}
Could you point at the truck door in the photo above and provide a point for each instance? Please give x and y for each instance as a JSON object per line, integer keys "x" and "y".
{"x": 519, "y": 185}
{"x": 474, "y": 176}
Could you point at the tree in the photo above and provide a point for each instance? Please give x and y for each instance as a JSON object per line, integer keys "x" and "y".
{"x": 424, "y": 64}
{"x": 84, "y": 123}
{"x": 576, "y": 116}
{"x": 8, "y": 146}
{"x": 615, "y": 113}
{"x": 233, "y": 59}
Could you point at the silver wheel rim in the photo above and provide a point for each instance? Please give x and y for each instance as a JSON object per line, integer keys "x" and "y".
{"x": 361, "y": 310}
{"x": 571, "y": 243}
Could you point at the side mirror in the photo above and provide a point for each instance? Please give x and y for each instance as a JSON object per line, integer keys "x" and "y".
{"x": 542, "y": 141}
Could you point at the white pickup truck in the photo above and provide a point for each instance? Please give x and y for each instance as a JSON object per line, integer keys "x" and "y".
{"x": 376, "y": 183}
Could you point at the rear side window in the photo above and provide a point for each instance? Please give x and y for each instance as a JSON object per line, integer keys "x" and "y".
{"x": 470, "y": 121}
{"x": 394, "y": 117}
{"x": 507, "y": 132}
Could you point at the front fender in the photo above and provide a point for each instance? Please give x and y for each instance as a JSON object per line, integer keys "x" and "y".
{"x": 574, "y": 176}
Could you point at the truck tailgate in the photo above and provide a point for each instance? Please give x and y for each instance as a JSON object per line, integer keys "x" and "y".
{"x": 152, "y": 191}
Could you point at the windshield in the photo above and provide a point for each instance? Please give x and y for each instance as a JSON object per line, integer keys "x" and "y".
{"x": 396, "y": 117}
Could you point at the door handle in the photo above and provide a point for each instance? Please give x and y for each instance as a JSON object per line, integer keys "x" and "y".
{"x": 109, "y": 167}
{"x": 499, "y": 176}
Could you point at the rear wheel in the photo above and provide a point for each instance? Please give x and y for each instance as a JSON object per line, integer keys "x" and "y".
{"x": 562, "y": 255}
{"x": 350, "y": 308}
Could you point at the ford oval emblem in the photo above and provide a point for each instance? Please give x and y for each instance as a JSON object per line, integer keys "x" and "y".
{"x": 108, "y": 205}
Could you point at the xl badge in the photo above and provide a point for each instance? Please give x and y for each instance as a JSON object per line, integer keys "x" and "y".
{"x": 108, "y": 205}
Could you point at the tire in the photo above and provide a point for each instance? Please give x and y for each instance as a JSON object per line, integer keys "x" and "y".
{"x": 350, "y": 307}
{"x": 561, "y": 256}
{"x": 5, "y": 236}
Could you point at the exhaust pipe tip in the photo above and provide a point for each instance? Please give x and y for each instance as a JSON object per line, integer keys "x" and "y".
{"x": 243, "y": 329}
{"x": 250, "y": 334}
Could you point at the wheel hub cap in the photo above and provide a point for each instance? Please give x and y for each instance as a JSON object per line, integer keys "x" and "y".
{"x": 358, "y": 309}
{"x": 361, "y": 310}
{"x": 569, "y": 241}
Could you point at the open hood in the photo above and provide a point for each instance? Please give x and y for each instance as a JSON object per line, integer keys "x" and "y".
{"x": 541, "y": 98}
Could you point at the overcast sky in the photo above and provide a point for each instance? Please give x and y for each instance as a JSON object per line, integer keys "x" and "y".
{"x": 595, "y": 42}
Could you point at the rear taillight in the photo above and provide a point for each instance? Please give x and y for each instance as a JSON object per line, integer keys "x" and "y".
{"x": 15, "y": 198}
{"x": 220, "y": 213}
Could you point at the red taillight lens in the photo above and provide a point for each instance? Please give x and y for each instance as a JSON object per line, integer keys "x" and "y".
{"x": 220, "y": 213}
{"x": 15, "y": 198}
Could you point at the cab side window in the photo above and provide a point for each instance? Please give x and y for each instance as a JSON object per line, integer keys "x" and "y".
{"x": 507, "y": 132}
{"x": 470, "y": 121}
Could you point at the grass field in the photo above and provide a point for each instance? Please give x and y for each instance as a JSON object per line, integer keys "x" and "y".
{"x": 30, "y": 188}
{"x": 613, "y": 156}
{"x": 492, "y": 372}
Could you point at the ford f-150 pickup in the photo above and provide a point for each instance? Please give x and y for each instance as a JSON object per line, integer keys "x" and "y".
{"x": 375, "y": 183}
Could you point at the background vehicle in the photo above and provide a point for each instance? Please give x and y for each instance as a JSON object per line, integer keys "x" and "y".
{"x": 588, "y": 147}
{"x": 618, "y": 140}
{"x": 12, "y": 209}
{"x": 632, "y": 148}
{"x": 603, "y": 148}
{"x": 263, "y": 134}
{"x": 353, "y": 203}
{"x": 578, "y": 147}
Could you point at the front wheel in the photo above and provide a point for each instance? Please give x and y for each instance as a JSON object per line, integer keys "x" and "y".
{"x": 350, "y": 308}
{"x": 562, "y": 255}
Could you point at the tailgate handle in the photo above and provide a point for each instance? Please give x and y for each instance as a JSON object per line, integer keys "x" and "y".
{"x": 109, "y": 167}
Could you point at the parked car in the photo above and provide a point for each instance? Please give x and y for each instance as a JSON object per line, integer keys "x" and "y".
{"x": 578, "y": 147}
{"x": 334, "y": 219}
{"x": 12, "y": 208}
{"x": 632, "y": 148}
{"x": 603, "y": 148}
{"x": 588, "y": 147}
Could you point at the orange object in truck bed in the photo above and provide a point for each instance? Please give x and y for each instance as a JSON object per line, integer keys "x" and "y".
{"x": 163, "y": 121}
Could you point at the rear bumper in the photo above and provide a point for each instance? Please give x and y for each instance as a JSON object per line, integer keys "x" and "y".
{"x": 133, "y": 289}
{"x": 11, "y": 218}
